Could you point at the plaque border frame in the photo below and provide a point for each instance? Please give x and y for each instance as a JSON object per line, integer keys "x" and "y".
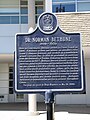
{"x": 44, "y": 90}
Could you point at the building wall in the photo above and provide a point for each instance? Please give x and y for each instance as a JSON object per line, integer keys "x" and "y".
{"x": 6, "y": 95}
{"x": 68, "y": 22}
{"x": 77, "y": 22}
{"x": 78, "y": 98}
{"x": 7, "y": 48}
{"x": 4, "y": 83}
{"x": 7, "y": 36}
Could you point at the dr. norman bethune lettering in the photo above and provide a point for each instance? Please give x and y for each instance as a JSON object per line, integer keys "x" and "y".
{"x": 47, "y": 39}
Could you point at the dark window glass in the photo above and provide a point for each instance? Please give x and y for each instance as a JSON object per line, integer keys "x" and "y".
{"x": 83, "y": 6}
{"x": 1, "y": 96}
{"x": 64, "y": 8}
{"x": 24, "y": 10}
{"x": 62, "y": 0}
{"x": 38, "y": 10}
{"x": 9, "y": 19}
{"x": 20, "y": 96}
{"x": 83, "y": 0}
{"x": 10, "y": 69}
{"x": 36, "y": 18}
{"x": 10, "y": 75}
{"x": 24, "y": 19}
{"x": 38, "y": 2}
{"x": 10, "y": 13}
{"x": 4, "y": 19}
{"x": 24, "y": 2}
{"x": 71, "y": 5}
{"x": 10, "y": 90}
{"x": 10, "y": 83}
{"x": 14, "y": 20}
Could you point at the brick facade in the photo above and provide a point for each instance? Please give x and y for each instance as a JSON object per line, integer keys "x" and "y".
{"x": 76, "y": 22}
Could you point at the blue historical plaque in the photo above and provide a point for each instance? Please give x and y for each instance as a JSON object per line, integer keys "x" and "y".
{"x": 48, "y": 59}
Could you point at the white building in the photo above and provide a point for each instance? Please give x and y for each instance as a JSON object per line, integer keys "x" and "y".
{"x": 17, "y": 16}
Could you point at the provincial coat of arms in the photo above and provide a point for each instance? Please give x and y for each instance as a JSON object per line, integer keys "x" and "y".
{"x": 47, "y": 21}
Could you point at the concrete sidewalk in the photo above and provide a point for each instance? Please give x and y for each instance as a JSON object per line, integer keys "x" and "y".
{"x": 25, "y": 115}
{"x": 78, "y": 109}
{"x": 19, "y": 111}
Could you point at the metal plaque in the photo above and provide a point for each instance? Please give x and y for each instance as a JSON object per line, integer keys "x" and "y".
{"x": 48, "y": 59}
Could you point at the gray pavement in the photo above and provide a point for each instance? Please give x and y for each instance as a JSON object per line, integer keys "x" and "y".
{"x": 79, "y": 109}
{"x": 19, "y": 111}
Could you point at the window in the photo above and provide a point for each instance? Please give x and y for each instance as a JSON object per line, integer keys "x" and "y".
{"x": 39, "y": 8}
{"x": 10, "y": 90}
{"x": 70, "y": 5}
{"x": 20, "y": 96}
{"x": 13, "y": 11}
{"x": 10, "y": 79}
{"x": 10, "y": 83}
{"x": 23, "y": 2}
{"x": 1, "y": 96}
{"x": 83, "y": 6}
{"x": 24, "y": 19}
{"x": 64, "y": 7}
{"x": 24, "y": 11}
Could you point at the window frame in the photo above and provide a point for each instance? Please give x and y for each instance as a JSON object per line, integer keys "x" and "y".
{"x": 37, "y": 6}
{"x": 73, "y": 1}
{"x": 11, "y": 71}
{"x": 11, "y": 11}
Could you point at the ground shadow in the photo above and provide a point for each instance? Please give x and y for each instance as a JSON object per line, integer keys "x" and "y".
{"x": 79, "y": 109}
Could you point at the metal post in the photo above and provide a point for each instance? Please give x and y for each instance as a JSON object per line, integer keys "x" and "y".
{"x": 49, "y": 100}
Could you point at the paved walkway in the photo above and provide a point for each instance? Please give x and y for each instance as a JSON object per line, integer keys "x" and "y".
{"x": 79, "y": 109}
{"x": 25, "y": 115}
{"x": 62, "y": 112}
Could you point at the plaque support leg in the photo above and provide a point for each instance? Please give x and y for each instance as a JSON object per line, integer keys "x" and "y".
{"x": 32, "y": 104}
{"x": 32, "y": 100}
{"x": 49, "y": 101}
